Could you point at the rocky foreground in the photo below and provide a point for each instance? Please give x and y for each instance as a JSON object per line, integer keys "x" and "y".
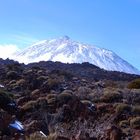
{"x": 55, "y": 101}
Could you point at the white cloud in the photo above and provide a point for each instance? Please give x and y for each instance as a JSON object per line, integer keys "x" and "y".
{"x": 7, "y": 50}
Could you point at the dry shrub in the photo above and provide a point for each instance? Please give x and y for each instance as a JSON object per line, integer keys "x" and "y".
{"x": 135, "y": 122}
{"x": 53, "y": 83}
{"x": 135, "y": 84}
{"x": 50, "y": 96}
{"x": 86, "y": 102}
{"x": 42, "y": 78}
{"x": 109, "y": 83}
{"x": 42, "y": 103}
{"x": 21, "y": 82}
{"x": 124, "y": 123}
{"x": 36, "y": 136}
{"x": 29, "y": 106}
{"x": 52, "y": 136}
{"x": 68, "y": 91}
{"x": 123, "y": 108}
{"x": 83, "y": 92}
{"x": 52, "y": 99}
{"x": 35, "y": 92}
{"x": 136, "y": 110}
{"x": 12, "y": 75}
{"x": 64, "y": 98}
{"x": 110, "y": 96}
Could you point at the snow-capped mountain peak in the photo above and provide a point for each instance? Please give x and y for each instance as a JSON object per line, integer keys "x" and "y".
{"x": 66, "y": 50}
{"x": 65, "y": 37}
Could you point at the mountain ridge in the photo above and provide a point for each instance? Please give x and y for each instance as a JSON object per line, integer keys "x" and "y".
{"x": 66, "y": 50}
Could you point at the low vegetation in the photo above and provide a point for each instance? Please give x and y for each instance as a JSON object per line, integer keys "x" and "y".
{"x": 135, "y": 84}
{"x": 68, "y": 101}
{"x": 135, "y": 122}
{"x": 123, "y": 108}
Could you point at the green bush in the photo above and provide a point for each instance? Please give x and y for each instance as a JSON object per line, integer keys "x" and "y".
{"x": 135, "y": 84}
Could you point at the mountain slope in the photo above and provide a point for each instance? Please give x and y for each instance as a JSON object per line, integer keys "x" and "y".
{"x": 67, "y": 51}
